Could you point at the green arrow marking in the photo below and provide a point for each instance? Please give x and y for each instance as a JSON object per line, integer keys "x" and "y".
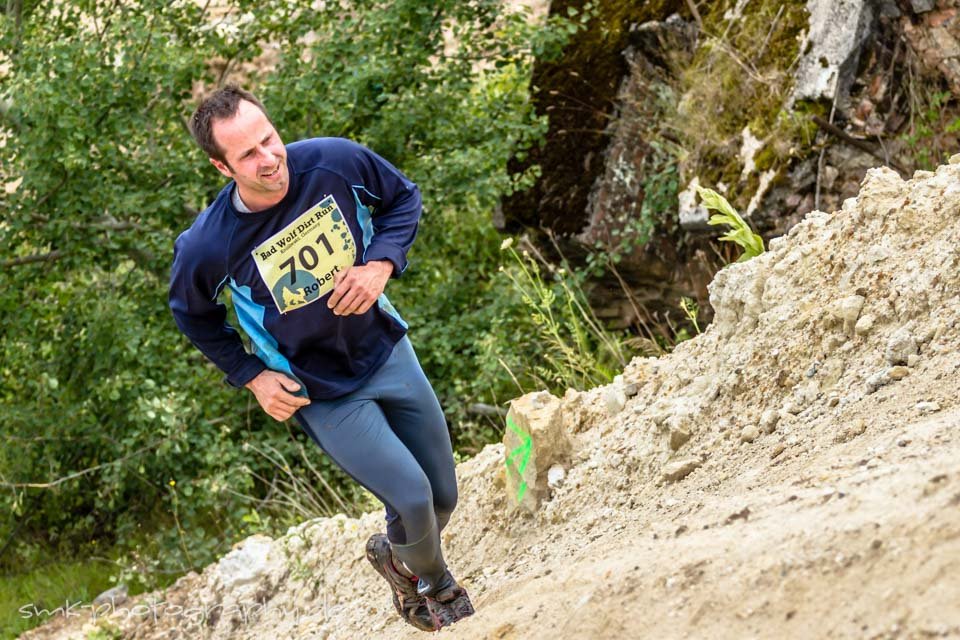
{"x": 524, "y": 452}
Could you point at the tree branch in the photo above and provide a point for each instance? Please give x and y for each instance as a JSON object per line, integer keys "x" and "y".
{"x": 37, "y": 257}
{"x": 77, "y": 474}
{"x": 863, "y": 145}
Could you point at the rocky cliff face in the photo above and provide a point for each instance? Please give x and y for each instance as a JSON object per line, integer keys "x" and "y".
{"x": 790, "y": 473}
{"x": 780, "y": 106}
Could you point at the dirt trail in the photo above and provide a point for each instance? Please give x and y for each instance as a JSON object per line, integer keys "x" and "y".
{"x": 794, "y": 472}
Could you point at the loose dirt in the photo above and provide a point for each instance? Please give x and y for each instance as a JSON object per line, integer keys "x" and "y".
{"x": 794, "y": 472}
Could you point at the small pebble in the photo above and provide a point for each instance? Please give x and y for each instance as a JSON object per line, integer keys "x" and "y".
{"x": 680, "y": 469}
{"x": 901, "y": 346}
{"x": 925, "y": 408}
{"x": 898, "y": 373}
{"x": 769, "y": 420}
{"x": 555, "y": 476}
{"x": 614, "y": 399}
{"x": 877, "y": 380}
{"x": 749, "y": 433}
{"x": 679, "y": 437}
{"x": 864, "y": 324}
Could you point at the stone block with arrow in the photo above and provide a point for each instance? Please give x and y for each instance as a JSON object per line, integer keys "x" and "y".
{"x": 534, "y": 441}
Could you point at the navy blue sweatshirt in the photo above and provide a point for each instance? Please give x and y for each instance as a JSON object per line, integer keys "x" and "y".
{"x": 345, "y": 206}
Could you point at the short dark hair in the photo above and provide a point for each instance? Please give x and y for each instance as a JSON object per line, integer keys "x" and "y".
{"x": 219, "y": 105}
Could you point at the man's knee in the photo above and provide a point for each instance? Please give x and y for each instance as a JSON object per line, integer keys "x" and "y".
{"x": 444, "y": 502}
{"x": 416, "y": 510}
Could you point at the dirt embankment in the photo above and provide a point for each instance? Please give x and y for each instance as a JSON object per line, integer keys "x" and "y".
{"x": 792, "y": 473}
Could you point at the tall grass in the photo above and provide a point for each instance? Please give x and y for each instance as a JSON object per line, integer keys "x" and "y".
{"x": 576, "y": 349}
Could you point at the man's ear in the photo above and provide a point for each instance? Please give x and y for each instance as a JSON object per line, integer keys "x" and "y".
{"x": 221, "y": 167}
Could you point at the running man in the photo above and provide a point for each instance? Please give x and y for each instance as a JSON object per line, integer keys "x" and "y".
{"x": 306, "y": 236}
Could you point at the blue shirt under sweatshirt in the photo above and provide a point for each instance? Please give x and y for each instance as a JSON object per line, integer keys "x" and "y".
{"x": 345, "y": 206}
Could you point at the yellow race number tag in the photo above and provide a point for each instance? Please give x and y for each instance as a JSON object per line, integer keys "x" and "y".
{"x": 298, "y": 263}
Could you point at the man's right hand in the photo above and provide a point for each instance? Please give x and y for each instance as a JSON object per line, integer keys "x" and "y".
{"x": 274, "y": 392}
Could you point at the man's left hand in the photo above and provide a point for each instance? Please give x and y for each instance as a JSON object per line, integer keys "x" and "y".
{"x": 356, "y": 289}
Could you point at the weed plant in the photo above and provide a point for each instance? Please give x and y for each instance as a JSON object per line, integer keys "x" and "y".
{"x": 740, "y": 232}
{"x": 576, "y": 349}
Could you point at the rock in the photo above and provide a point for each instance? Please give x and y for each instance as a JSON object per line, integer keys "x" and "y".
{"x": 574, "y": 412}
{"x": 829, "y": 177}
{"x": 749, "y": 433}
{"x": 614, "y": 399}
{"x": 535, "y": 441}
{"x": 922, "y": 6}
{"x": 898, "y": 373}
{"x": 629, "y": 388}
{"x": 792, "y": 407}
{"x": 877, "y": 380}
{"x": 889, "y": 9}
{"x": 769, "y": 420}
{"x": 850, "y": 432}
{"x": 555, "y": 476}
{"x": 748, "y": 151}
{"x": 834, "y": 342}
{"x": 766, "y": 180}
{"x": 955, "y": 158}
{"x": 900, "y": 347}
{"x": 847, "y": 310}
{"x": 246, "y": 563}
{"x": 680, "y": 469}
{"x": 926, "y": 408}
{"x": 913, "y": 361}
{"x": 864, "y": 324}
{"x": 777, "y": 450}
{"x": 116, "y": 595}
{"x": 679, "y": 436}
{"x": 693, "y": 215}
{"x": 838, "y": 29}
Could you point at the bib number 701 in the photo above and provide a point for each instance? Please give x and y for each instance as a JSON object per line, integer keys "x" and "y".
{"x": 308, "y": 257}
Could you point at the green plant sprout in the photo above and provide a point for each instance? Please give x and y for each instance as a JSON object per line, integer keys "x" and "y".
{"x": 740, "y": 233}
{"x": 691, "y": 309}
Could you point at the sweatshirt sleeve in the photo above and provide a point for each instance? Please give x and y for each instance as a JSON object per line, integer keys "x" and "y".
{"x": 394, "y": 203}
{"x": 195, "y": 282}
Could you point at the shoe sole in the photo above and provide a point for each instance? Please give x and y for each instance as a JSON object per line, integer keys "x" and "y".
{"x": 379, "y": 555}
{"x": 446, "y": 613}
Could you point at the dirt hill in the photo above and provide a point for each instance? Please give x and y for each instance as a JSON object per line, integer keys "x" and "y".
{"x": 794, "y": 472}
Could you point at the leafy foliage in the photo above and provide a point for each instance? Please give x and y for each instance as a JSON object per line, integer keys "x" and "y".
{"x": 740, "y": 232}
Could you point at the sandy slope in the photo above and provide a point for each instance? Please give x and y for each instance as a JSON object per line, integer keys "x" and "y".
{"x": 818, "y": 420}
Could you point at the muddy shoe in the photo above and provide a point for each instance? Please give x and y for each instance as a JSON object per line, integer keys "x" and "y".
{"x": 403, "y": 584}
{"x": 450, "y": 604}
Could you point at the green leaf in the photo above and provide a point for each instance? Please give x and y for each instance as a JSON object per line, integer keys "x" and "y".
{"x": 740, "y": 233}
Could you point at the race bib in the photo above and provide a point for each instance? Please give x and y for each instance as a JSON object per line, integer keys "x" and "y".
{"x": 298, "y": 262}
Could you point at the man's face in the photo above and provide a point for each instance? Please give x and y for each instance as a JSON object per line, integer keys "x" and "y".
{"x": 255, "y": 156}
